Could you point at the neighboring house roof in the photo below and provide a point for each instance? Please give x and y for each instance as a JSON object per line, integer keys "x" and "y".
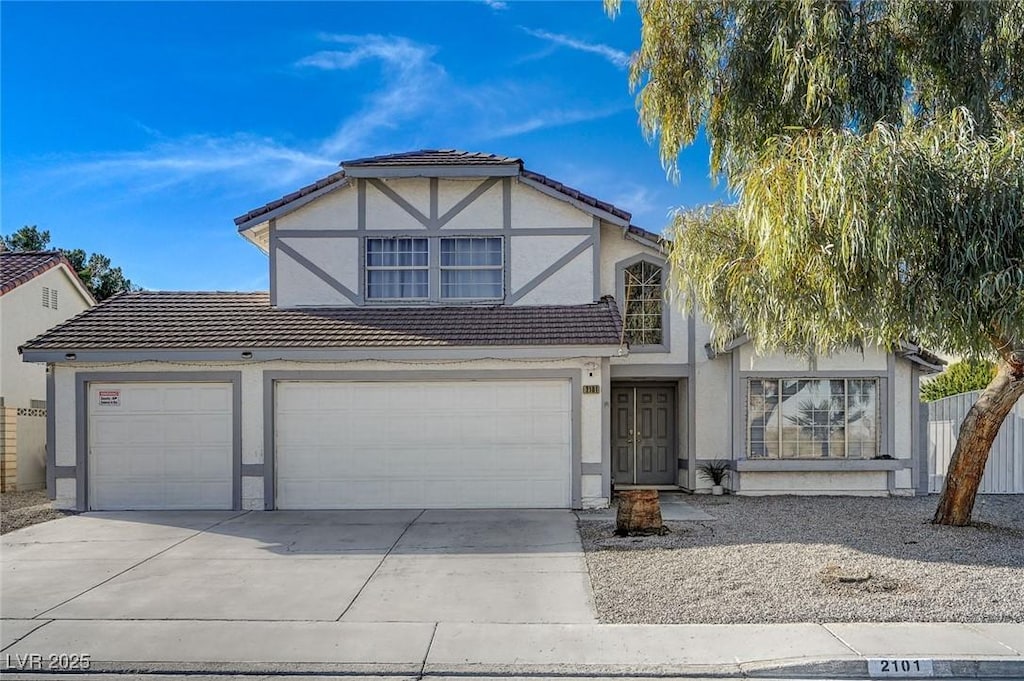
{"x": 442, "y": 158}
{"x": 215, "y": 320}
{"x": 19, "y": 267}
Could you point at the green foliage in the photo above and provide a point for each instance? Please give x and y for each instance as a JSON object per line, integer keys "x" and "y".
{"x": 745, "y": 71}
{"x": 28, "y": 238}
{"x": 102, "y": 280}
{"x": 876, "y": 153}
{"x": 962, "y": 377}
{"x": 714, "y": 471}
{"x": 841, "y": 239}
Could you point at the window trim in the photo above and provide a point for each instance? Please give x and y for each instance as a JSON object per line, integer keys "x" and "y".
{"x": 434, "y": 270}
{"x": 620, "y": 295}
{"x": 881, "y": 420}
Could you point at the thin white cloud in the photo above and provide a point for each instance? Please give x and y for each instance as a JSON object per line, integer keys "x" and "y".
{"x": 213, "y": 161}
{"x": 411, "y": 81}
{"x": 496, "y": 5}
{"x": 416, "y": 103}
{"x": 610, "y": 54}
{"x": 549, "y": 119}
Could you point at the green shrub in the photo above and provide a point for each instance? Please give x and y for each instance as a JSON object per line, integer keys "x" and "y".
{"x": 962, "y": 377}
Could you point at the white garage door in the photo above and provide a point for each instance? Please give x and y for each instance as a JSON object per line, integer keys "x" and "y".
{"x": 160, "y": 446}
{"x": 445, "y": 444}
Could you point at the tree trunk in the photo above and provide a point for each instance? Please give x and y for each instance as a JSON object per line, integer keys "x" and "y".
{"x": 639, "y": 513}
{"x": 974, "y": 441}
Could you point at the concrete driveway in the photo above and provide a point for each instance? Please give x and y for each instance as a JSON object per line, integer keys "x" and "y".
{"x": 348, "y": 566}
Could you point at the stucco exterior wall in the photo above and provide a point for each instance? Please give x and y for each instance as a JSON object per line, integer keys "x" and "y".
{"x": 852, "y": 483}
{"x": 252, "y": 414}
{"x": 615, "y": 249}
{"x": 312, "y": 270}
{"x": 23, "y": 317}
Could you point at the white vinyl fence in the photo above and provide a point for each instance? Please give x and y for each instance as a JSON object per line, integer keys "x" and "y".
{"x": 1004, "y": 473}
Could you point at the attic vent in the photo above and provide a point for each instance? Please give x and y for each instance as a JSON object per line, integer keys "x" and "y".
{"x": 53, "y": 298}
{"x": 46, "y": 296}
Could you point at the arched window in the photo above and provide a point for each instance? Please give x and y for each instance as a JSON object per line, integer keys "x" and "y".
{"x": 643, "y": 303}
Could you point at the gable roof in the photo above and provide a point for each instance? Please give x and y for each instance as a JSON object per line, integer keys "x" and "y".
{"x": 452, "y": 159}
{"x": 164, "y": 320}
{"x": 19, "y": 267}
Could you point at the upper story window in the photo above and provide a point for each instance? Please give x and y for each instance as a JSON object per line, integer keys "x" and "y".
{"x": 812, "y": 418}
{"x": 460, "y": 268}
{"x": 397, "y": 269}
{"x": 643, "y": 302}
{"x": 472, "y": 267}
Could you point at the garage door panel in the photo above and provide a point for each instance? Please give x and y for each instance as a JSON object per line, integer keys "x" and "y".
{"x": 439, "y": 444}
{"x": 161, "y": 446}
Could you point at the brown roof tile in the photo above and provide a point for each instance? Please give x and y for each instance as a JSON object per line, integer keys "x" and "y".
{"x": 434, "y": 157}
{"x": 215, "y": 320}
{"x": 17, "y": 267}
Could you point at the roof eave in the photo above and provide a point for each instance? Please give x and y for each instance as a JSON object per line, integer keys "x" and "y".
{"x": 245, "y": 224}
{"x": 576, "y": 203}
{"x": 72, "y": 356}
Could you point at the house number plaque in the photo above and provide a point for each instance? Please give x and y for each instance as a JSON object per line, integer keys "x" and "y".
{"x": 591, "y": 389}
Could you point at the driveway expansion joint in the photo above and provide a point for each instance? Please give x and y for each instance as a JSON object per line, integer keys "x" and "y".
{"x": 144, "y": 560}
{"x": 376, "y": 569}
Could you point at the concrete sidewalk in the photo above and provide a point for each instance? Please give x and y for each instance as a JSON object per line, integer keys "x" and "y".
{"x": 992, "y": 651}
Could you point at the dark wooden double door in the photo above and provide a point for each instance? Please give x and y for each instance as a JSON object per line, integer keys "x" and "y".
{"x": 643, "y": 435}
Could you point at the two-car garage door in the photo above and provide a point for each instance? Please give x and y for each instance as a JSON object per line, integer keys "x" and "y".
{"x": 432, "y": 444}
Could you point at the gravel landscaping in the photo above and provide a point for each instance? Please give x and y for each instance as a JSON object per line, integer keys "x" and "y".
{"x": 814, "y": 559}
{"x": 21, "y": 509}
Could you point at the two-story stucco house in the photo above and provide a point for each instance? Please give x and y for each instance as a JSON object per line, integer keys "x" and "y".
{"x": 450, "y": 329}
{"x": 38, "y": 290}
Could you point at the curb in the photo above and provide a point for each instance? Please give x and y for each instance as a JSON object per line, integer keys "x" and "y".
{"x": 856, "y": 668}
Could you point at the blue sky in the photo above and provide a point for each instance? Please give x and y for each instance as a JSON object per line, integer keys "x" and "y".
{"x": 141, "y": 130}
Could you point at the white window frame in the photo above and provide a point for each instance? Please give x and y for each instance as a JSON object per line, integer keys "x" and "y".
{"x": 393, "y": 268}
{"x": 879, "y": 418}
{"x": 500, "y": 267}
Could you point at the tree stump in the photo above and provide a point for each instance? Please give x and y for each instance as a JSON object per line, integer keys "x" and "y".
{"x": 639, "y": 513}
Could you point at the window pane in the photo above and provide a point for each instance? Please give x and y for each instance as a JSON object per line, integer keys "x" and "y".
{"x": 397, "y": 283}
{"x": 471, "y": 252}
{"x": 471, "y": 283}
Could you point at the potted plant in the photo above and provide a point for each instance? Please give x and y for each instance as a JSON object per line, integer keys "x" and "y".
{"x": 716, "y": 471}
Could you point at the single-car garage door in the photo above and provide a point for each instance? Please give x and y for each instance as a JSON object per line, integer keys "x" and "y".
{"x": 434, "y": 444}
{"x": 160, "y": 446}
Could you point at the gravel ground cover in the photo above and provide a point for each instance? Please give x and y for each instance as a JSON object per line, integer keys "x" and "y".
{"x": 21, "y": 509}
{"x": 814, "y": 559}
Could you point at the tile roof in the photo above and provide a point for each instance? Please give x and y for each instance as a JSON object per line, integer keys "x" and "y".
{"x": 577, "y": 194}
{"x": 17, "y": 267}
{"x": 333, "y": 178}
{"x": 216, "y": 320}
{"x": 434, "y": 157}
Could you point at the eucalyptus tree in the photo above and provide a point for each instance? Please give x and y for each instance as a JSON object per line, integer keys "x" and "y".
{"x": 876, "y": 154}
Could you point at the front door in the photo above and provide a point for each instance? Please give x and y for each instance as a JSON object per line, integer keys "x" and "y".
{"x": 643, "y": 435}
